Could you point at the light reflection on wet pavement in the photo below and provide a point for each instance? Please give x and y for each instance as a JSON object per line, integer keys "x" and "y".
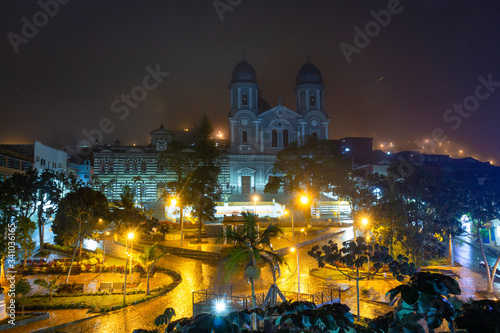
{"x": 198, "y": 276}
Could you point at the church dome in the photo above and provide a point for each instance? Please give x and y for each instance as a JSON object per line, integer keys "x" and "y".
{"x": 309, "y": 74}
{"x": 244, "y": 72}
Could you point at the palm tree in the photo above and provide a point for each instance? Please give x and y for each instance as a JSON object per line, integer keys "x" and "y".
{"x": 150, "y": 255}
{"x": 251, "y": 248}
{"x": 49, "y": 285}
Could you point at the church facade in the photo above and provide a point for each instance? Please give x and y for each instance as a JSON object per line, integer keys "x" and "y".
{"x": 258, "y": 132}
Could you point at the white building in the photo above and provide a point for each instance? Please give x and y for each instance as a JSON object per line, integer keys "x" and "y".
{"x": 49, "y": 158}
{"x": 259, "y": 132}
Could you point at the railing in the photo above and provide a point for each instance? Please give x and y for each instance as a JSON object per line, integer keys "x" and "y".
{"x": 208, "y": 297}
{"x": 224, "y": 293}
{"x": 323, "y": 295}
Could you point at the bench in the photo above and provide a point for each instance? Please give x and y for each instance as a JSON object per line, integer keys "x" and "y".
{"x": 117, "y": 287}
{"x": 106, "y": 286}
{"x": 70, "y": 288}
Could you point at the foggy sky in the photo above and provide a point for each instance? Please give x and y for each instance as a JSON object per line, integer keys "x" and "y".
{"x": 397, "y": 88}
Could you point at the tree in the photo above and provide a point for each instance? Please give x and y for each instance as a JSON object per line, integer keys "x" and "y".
{"x": 47, "y": 191}
{"x": 354, "y": 254}
{"x": 148, "y": 258}
{"x": 424, "y": 296}
{"x": 309, "y": 168}
{"x": 24, "y": 229}
{"x": 125, "y": 213}
{"x": 23, "y": 288}
{"x": 18, "y": 203}
{"x": 481, "y": 203}
{"x": 49, "y": 285}
{"x": 85, "y": 208}
{"x": 203, "y": 187}
{"x": 250, "y": 249}
{"x": 411, "y": 215}
{"x": 181, "y": 161}
{"x": 7, "y": 214}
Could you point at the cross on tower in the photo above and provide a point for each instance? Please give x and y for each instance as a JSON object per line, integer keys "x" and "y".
{"x": 308, "y": 57}
{"x": 243, "y": 55}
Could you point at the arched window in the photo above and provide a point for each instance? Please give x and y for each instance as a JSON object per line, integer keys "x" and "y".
{"x": 286, "y": 138}
{"x": 274, "y": 138}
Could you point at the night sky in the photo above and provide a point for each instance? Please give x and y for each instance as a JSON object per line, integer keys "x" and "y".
{"x": 397, "y": 88}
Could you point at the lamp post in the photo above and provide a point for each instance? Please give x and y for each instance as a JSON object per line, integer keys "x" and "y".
{"x": 304, "y": 200}
{"x": 296, "y": 250}
{"x": 174, "y": 202}
{"x": 130, "y": 236}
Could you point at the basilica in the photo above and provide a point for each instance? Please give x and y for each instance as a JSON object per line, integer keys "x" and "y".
{"x": 257, "y": 133}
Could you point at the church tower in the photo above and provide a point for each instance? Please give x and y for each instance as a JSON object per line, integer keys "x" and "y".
{"x": 309, "y": 89}
{"x": 244, "y": 88}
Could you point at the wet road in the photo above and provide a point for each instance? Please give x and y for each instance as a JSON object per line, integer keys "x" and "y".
{"x": 469, "y": 256}
{"x": 195, "y": 276}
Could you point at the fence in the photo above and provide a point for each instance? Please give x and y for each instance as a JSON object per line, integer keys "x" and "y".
{"x": 205, "y": 300}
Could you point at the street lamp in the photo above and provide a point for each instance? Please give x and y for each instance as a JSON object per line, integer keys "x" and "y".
{"x": 304, "y": 200}
{"x": 296, "y": 250}
{"x": 255, "y": 199}
{"x": 174, "y": 203}
{"x": 130, "y": 237}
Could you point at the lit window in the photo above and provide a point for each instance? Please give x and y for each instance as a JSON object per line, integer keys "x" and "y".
{"x": 313, "y": 101}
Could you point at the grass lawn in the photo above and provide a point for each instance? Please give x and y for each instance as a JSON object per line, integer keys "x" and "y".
{"x": 98, "y": 303}
{"x": 439, "y": 262}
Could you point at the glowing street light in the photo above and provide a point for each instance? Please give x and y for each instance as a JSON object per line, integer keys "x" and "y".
{"x": 364, "y": 221}
{"x": 130, "y": 237}
{"x": 174, "y": 203}
{"x": 255, "y": 199}
{"x": 304, "y": 200}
